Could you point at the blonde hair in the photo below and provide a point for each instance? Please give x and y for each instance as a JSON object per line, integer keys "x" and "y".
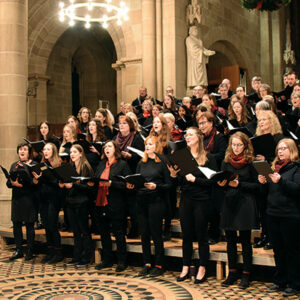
{"x": 55, "y": 159}
{"x": 294, "y": 153}
{"x": 156, "y": 142}
{"x": 134, "y": 118}
{"x": 275, "y": 126}
{"x": 170, "y": 116}
{"x": 201, "y": 153}
{"x": 80, "y": 112}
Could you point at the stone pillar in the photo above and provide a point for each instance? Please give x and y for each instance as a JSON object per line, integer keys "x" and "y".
{"x": 278, "y": 38}
{"x": 266, "y": 62}
{"x": 13, "y": 84}
{"x": 37, "y": 100}
{"x": 149, "y": 46}
{"x": 159, "y": 49}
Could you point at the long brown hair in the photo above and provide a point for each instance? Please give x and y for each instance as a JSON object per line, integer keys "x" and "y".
{"x": 100, "y": 132}
{"x": 248, "y": 148}
{"x": 107, "y": 119}
{"x": 164, "y": 136}
{"x": 294, "y": 153}
{"x": 83, "y": 165}
{"x": 118, "y": 154}
{"x": 173, "y": 104}
{"x": 55, "y": 159}
{"x": 233, "y": 116}
{"x": 155, "y": 141}
{"x": 201, "y": 157}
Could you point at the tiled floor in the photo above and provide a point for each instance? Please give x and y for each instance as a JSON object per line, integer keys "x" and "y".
{"x": 33, "y": 280}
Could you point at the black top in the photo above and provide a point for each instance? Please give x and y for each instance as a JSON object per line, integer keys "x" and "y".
{"x": 157, "y": 173}
{"x": 201, "y": 189}
{"x": 80, "y": 192}
{"x": 223, "y": 103}
{"x": 283, "y": 197}
{"x": 22, "y": 206}
{"x": 116, "y": 195}
{"x": 220, "y": 145}
{"x": 83, "y": 127}
{"x": 239, "y": 211}
{"x": 108, "y": 132}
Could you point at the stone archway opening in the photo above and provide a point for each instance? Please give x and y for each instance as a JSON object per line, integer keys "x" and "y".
{"x": 226, "y": 63}
{"x": 80, "y": 72}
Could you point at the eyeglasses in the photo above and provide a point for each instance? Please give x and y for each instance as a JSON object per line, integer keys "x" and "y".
{"x": 202, "y": 123}
{"x": 282, "y": 149}
{"x": 237, "y": 145}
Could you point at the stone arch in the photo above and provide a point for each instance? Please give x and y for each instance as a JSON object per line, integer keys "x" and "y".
{"x": 227, "y": 41}
{"x": 45, "y": 29}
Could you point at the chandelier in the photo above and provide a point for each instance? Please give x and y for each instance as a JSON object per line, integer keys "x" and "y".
{"x": 91, "y": 11}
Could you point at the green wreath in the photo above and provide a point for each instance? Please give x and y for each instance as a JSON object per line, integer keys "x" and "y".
{"x": 261, "y": 5}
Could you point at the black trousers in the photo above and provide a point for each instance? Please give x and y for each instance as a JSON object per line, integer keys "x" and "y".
{"x": 79, "y": 220}
{"x": 49, "y": 211}
{"x": 285, "y": 237}
{"x": 171, "y": 202}
{"x": 150, "y": 220}
{"x": 18, "y": 235}
{"x": 245, "y": 239}
{"x": 107, "y": 219}
{"x": 131, "y": 211}
{"x": 194, "y": 217}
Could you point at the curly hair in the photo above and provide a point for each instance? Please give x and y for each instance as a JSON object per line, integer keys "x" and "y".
{"x": 233, "y": 116}
{"x": 99, "y": 129}
{"x": 80, "y": 112}
{"x": 294, "y": 153}
{"x": 163, "y": 136}
{"x": 275, "y": 126}
{"x": 248, "y": 148}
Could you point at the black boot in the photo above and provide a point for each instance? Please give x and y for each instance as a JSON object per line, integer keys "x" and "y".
{"x": 16, "y": 255}
{"x": 245, "y": 281}
{"x": 261, "y": 243}
{"x": 49, "y": 256}
{"x": 231, "y": 279}
{"x": 29, "y": 254}
{"x": 58, "y": 256}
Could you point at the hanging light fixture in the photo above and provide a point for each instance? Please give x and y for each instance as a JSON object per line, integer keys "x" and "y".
{"x": 73, "y": 11}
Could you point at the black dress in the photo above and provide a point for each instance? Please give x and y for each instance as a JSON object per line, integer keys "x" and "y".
{"x": 239, "y": 211}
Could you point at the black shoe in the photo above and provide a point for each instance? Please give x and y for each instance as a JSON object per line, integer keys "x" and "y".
{"x": 245, "y": 281}
{"x": 156, "y": 272}
{"x": 167, "y": 237}
{"x": 16, "y": 255}
{"x": 275, "y": 288}
{"x": 268, "y": 246}
{"x": 48, "y": 257}
{"x": 39, "y": 225}
{"x": 183, "y": 278}
{"x": 289, "y": 292}
{"x": 231, "y": 279}
{"x": 103, "y": 265}
{"x": 56, "y": 258}
{"x": 212, "y": 241}
{"x": 120, "y": 268}
{"x": 261, "y": 243}
{"x": 203, "y": 279}
{"x": 145, "y": 271}
{"x": 73, "y": 262}
{"x": 29, "y": 255}
{"x": 82, "y": 264}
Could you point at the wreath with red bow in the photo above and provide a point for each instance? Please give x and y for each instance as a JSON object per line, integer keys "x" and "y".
{"x": 268, "y": 5}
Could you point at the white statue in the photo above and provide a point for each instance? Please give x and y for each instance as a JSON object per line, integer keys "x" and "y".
{"x": 197, "y": 58}
{"x": 193, "y": 12}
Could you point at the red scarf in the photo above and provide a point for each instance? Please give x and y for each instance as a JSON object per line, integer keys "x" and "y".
{"x": 211, "y": 140}
{"x": 280, "y": 164}
{"x": 103, "y": 190}
{"x": 176, "y": 134}
{"x": 238, "y": 161}
{"x": 124, "y": 141}
{"x": 146, "y": 114}
{"x": 213, "y": 108}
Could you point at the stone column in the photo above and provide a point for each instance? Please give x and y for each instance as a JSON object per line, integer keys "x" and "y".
{"x": 149, "y": 45}
{"x": 266, "y": 62}
{"x": 159, "y": 49}
{"x": 13, "y": 84}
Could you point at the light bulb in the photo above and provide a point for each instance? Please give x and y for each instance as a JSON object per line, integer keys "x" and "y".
{"x": 87, "y": 25}
{"x": 71, "y": 23}
{"x": 61, "y": 4}
{"x": 119, "y": 22}
{"x": 105, "y": 25}
{"x": 61, "y": 18}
